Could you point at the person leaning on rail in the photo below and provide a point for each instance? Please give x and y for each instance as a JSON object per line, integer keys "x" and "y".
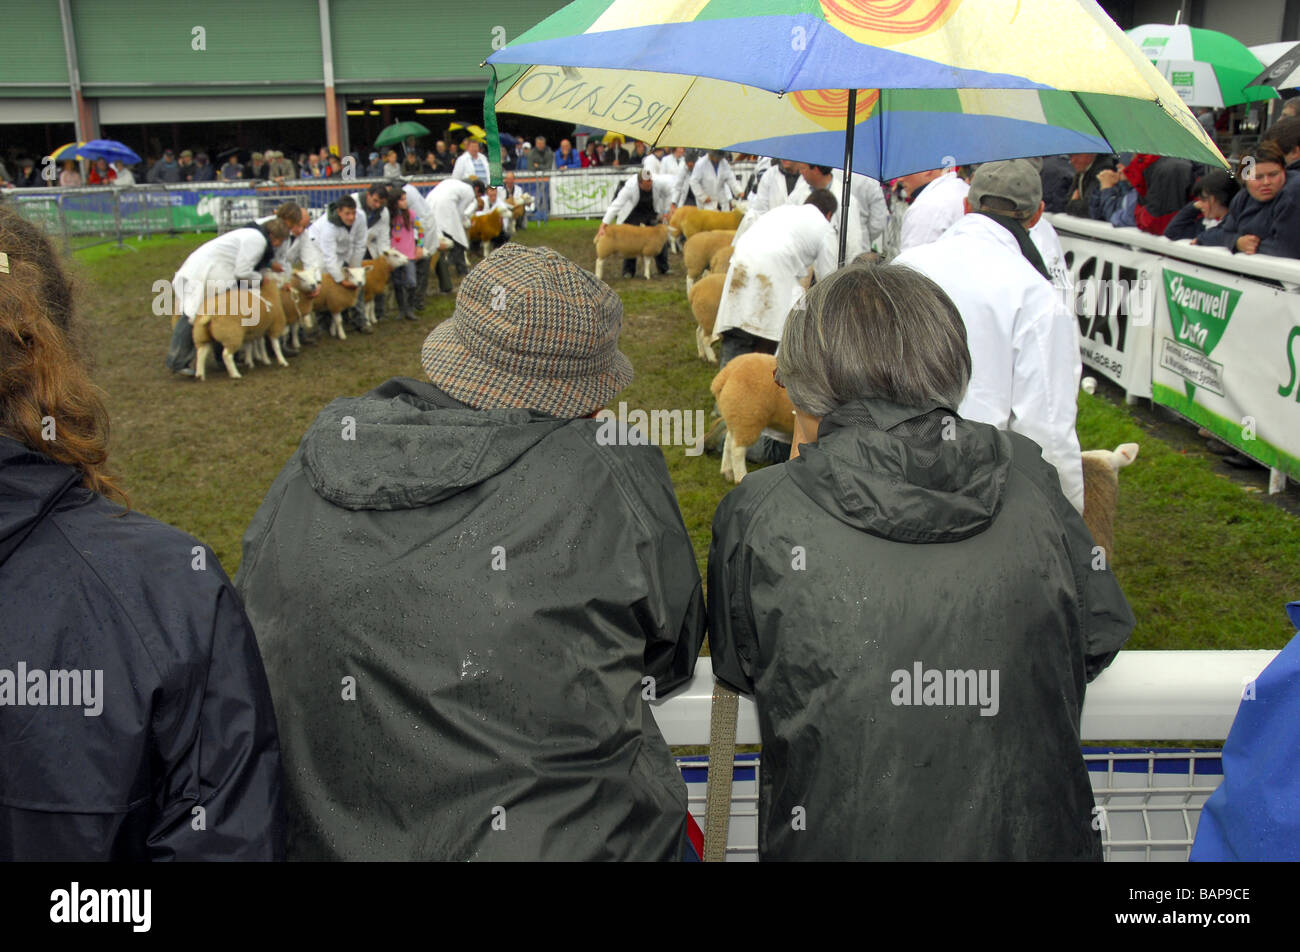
{"x": 913, "y": 603}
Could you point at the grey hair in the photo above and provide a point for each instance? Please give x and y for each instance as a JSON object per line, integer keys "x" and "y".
{"x": 881, "y": 331}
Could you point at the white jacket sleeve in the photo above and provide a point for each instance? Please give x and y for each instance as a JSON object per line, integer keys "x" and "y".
{"x": 828, "y": 254}
{"x": 328, "y": 244}
{"x": 622, "y": 204}
{"x": 702, "y": 197}
{"x": 251, "y": 248}
{"x": 1045, "y": 387}
{"x": 379, "y": 238}
{"x": 357, "y": 250}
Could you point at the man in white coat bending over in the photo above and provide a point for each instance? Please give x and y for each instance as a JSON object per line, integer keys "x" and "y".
{"x": 644, "y": 199}
{"x": 713, "y": 182}
{"x": 1024, "y": 342}
{"x": 451, "y": 203}
{"x": 769, "y": 265}
{"x": 934, "y": 203}
{"x": 235, "y": 259}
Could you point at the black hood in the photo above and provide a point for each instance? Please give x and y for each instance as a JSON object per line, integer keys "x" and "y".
{"x": 905, "y": 474}
{"x": 410, "y": 445}
{"x": 31, "y": 484}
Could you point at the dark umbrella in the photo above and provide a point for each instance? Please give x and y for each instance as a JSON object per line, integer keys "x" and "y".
{"x": 398, "y": 132}
{"x": 241, "y": 153}
{"x": 507, "y": 140}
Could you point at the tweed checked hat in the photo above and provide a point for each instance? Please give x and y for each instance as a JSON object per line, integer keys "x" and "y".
{"x": 531, "y": 330}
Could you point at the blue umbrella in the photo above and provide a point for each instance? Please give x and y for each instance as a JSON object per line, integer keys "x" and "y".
{"x": 108, "y": 149}
{"x": 507, "y": 140}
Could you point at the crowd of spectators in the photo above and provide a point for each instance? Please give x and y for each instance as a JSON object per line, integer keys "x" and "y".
{"x": 408, "y": 159}
{"x": 1254, "y": 210}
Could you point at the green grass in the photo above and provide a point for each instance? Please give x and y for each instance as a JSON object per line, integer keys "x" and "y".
{"x": 1204, "y": 563}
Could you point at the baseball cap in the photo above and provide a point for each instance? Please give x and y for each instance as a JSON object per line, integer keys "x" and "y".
{"x": 1013, "y": 180}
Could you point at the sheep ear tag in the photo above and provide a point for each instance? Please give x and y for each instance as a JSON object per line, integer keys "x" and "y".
{"x": 1199, "y": 311}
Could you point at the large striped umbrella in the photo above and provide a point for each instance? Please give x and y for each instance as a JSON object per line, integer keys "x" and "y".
{"x": 1205, "y": 67}
{"x": 927, "y": 82}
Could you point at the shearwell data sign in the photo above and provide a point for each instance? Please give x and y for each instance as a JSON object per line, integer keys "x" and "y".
{"x": 1226, "y": 356}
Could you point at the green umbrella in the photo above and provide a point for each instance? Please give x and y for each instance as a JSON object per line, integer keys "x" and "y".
{"x": 398, "y": 132}
{"x": 1205, "y": 67}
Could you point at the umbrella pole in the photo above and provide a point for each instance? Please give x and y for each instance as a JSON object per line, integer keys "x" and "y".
{"x": 848, "y": 174}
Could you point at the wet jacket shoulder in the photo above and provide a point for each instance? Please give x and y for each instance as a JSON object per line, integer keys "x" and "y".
{"x": 503, "y": 589}
{"x": 835, "y": 576}
{"x": 182, "y": 717}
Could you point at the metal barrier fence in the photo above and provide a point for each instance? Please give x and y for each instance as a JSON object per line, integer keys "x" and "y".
{"x": 87, "y": 216}
{"x": 1149, "y": 798}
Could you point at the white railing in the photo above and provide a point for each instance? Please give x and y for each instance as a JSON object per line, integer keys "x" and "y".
{"x": 1151, "y": 798}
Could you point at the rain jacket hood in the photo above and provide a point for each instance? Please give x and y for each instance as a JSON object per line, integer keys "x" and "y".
{"x": 889, "y": 471}
{"x": 31, "y": 485}
{"x": 422, "y": 446}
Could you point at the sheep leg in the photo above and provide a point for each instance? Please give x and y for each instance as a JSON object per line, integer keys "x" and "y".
{"x": 648, "y": 261}
{"x": 279, "y": 354}
{"x": 229, "y": 359}
{"x": 600, "y": 269}
{"x": 487, "y": 247}
{"x": 259, "y": 346}
{"x": 726, "y": 456}
{"x": 201, "y": 360}
{"x": 337, "y": 327}
{"x": 737, "y": 459}
{"x": 690, "y": 283}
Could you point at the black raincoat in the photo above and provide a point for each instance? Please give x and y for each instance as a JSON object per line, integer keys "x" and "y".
{"x": 463, "y": 613}
{"x": 840, "y": 581}
{"x": 162, "y": 705}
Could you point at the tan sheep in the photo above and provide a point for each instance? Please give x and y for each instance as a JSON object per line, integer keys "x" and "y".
{"x": 232, "y": 318}
{"x": 705, "y": 298}
{"x": 721, "y": 259}
{"x": 1101, "y": 491}
{"x": 483, "y": 228}
{"x": 699, "y": 252}
{"x": 378, "y": 272}
{"x": 749, "y": 401}
{"x": 630, "y": 241}
{"x": 689, "y": 220}
{"x": 334, "y": 299}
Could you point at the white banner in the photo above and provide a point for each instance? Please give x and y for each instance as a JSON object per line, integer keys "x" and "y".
{"x": 1211, "y": 335}
{"x": 582, "y": 194}
{"x": 1228, "y": 357}
{"x": 1113, "y": 294}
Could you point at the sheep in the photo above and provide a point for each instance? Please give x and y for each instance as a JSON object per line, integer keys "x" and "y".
{"x": 689, "y": 220}
{"x": 334, "y": 299}
{"x": 1101, "y": 491}
{"x": 749, "y": 400}
{"x": 296, "y": 297}
{"x": 231, "y": 318}
{"x": 378, "y": 272}
{"x": 630, "y": 241}
{"x": 721, "y": 259}
{"x": 699, "y": 250}
{"x": 483, "y": 228}
{"x": 705, "y": 298}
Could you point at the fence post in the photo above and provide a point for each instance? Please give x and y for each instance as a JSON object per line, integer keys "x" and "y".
{"x": 63, "y": 223}
{"x": 117, "y": 214}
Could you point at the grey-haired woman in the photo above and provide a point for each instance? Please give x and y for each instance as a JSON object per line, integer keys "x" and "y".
{"x": 912, "y": 602}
